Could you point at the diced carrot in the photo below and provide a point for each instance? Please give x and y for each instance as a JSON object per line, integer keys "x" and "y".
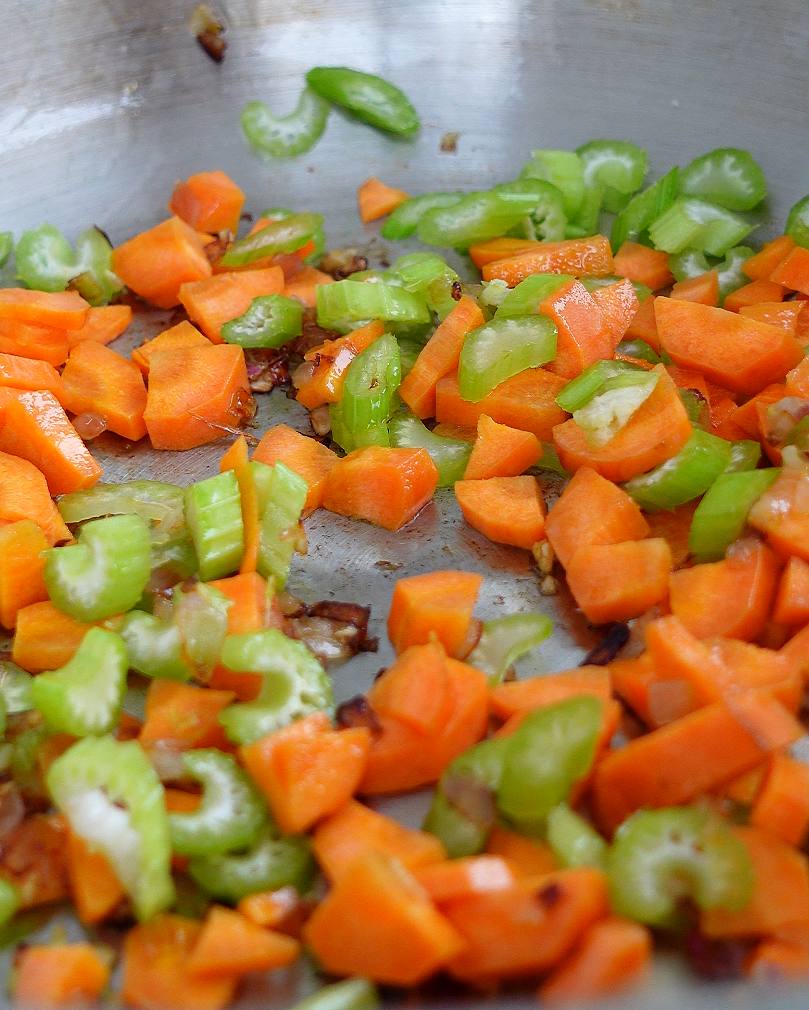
{"x": 44, "y": 343}
{"x": 690, "y": 756}
{"x": 439, "y": 357}
{"x": 62, "y": 310}
{"x": 45, "y": 638}
{"x": 278, "y": 909}
{"x": 29, "y": 373}
{"x": 704, "y": 288}
{"x": 157, "y": 262}
{"x": 36, "y": 428}
{"x": 309, "y": 458}
{"x": 208, "y": 201}
{"x": 678, "y": 657}
{"x": 634, "y": 681}
{"x": 582, "y": 338}
{"x": 214, "y": 301}
{"x": 355, "y": 830}
{"x": 754, "y": 293}
{"x": 592, "y": 510}
{"x": 613, "y": 955}
{"x": 780, "y": 890}
{"x": 582, "y": 257}
{"x": 787, "y": 315}
{"x": 792, "y": 600}
{"x": 744, "y": 789}
{"x": 782, "y": 514}
{"x": 307, "y": 770}
{"x": 458, "y": 431}
{"x": 722, "y": 410}
{"x": 547, "y": 689}
{"x": 782, "y": 806}
{"x": 748, "y": 576}
{"x": 654, "y": 433}
{"x": 376, "y": 199}
{"x": 525, "y": 929}
{"x": 507, "y": 510}
{"x": 386, "y": 487}
{"x": 330, "y": 362}
{"x": 461, "y": 878}
{"x": 181, "y": 335}
{"x": 401, "y": 758}
{"x": 494, "y": 249}
{"x": 98, "y": 381}
{"x": 155, "y": 968}
{"x": 376, "y": 896}
{"x": 733, "y": 350}
{"x": 674, "y": 526}
{"x": 501, "y": 451}
{"x": 530, "y": 857}
{"x": 414, "y": 690}
{"x": 94, "y": 887}
{"x": 644, "y": 265}
{"x": 33, "y": 860}
{"x": 526, "y": 401}
{"x": 61, "y": 975}
{"x": 616, "y": 582}
{"x": 230, "y": 946}
{"x": 183, "y": 717}
{"x": 21, "y": 568}
{"x": 24, "y": 495}
{"x": 797, "y": 383}
{"x": 436, "y": 604}
{"x": 746, "y": 416}
{"x": 103, "y": 324}
{"x": 644, "y": 324}
{"x": 760, "y": 266}
{"x": 777, "y": 961}
{"x": 793, "y": 271}
{"x": 303, "y": 287}
{"x": 195, "y": 395}
{"x": 796, "y": 651}
{"x": 687, "y": 378}
{"x": 618, "y": 304}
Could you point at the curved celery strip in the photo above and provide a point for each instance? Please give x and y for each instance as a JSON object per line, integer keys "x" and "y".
{"x": 505, "y": 640}
{"x": 502, "y": 348}
{"x": 728, "y": 176}
{"x": 45, "y": 261}
{"x": 231, "y": 814}
{"x": 103, "y": 574}
{"x": 475, "y": 218}
{"x": 370, "y": 98}
{"x": 404, "y": 220}
{"x": 573, "y": 840}
{"x": 721, "y": 515}
{"x": 6, "y": 246}
{"x": 293, "y": 684}
{"x": 271, "y": 862}
{"x": 660, "y": 857}
{"x": 86, "y": 694}
{"x": 111, "y": 796}
{"x": 595, "y": 379}
{"x": 270, "y": 321}
{"x": 685, "y": 476}
{"x": 797, "y": 226}
{"x": 154, "y": 646}
{"x": 286, "y": 136}
{"x": 346, "y": 304}
{"x": 283, "y": 235}
{"x": 370, "y": 384}
{"x": 613, "y": 170}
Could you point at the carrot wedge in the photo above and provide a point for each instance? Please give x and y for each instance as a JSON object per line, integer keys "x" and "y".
{"x": 208, "y": 201}
{"x": 704, "y": 288}
{"x": 507, "y": 510}
{"x": 45, "y": 638}
{"x": 501, "y": 451}
{"x": 330, "y": 361}
{"x": 181, "y": 335}
{"x": 760, "y": 266}
{"x": 157, "y": 262}
{"x": 437, "y": 604}
{"x": 58, "y": 976}
{"x": 62, "y": 310}
{"x": 582, "y": 257}
{"x": 439, "y": 357}
{"x": 103, "y": 324}
{"x": 213, "y": 301}
{"x": 516, "y": 696}
{"x": 97, "y": 380}
{"x": 375, "y": 199}
{"x": 616, "y": 582}
{"x": 792, "y": 601}
{"x": 230, "y": 946}
{"x": 21, "y": 568}
{"x": 647, "y": 266}
{"x": 782, "y": 805}
{"x": 37, "y": 429}
{"x": 29, "y": 373}
{"x": 24, "y": 495}
{"x": 309, "y": 459}
{"x": 618, "y": 304}
{"x": 582, "y": 337}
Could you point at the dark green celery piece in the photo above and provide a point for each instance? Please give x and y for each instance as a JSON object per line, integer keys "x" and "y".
{"x": 685, "y": 476}
{"x": 270, "y": 863}
{"x": 744, "y": 455}
{"x": 286, "y": 136}
{"x": 728, "y": 176}
{"x": 475, "y": 218}
{"x": 526, "y": 297}
{"x": 283, "y": 235}
{"x": 404, "y": 220}
{"x": 370, "y": 98}
{"x": 346, "y": 304}
{"x": 661, "y": 857}
{"x": 371, "y": 382}
{"x": 797, "y": 226}
{"x": 721, "y": 515}
{"x": 502, "y": 348}
{"x": 450, "y": 455}
{"x": 644, "y": 208}
{"x": 270, "y": 321}
{"x": 504, "y": 640}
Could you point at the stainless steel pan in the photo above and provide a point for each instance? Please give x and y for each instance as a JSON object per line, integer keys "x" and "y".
{"x": 104, "y": 104}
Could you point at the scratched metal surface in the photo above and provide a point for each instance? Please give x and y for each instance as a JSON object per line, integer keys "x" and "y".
{"x": 104, "y": 104}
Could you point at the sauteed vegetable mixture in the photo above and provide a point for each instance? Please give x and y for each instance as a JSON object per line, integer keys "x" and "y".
{"x": 620, "y": 343}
